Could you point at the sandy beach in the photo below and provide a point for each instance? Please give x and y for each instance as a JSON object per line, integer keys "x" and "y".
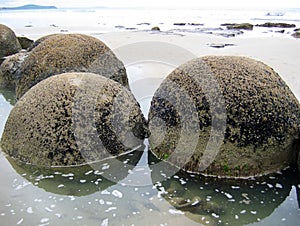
{"x": 282, "y": 54}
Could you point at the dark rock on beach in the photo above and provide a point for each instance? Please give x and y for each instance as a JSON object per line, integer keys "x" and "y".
{"x": 9, "y": 43}
{"x": 73, "y": 119}
{"x": 220, "y": 45}
{"x": 155, "y": 29}
{"x": 225, "y": 116}
{"x": 279, "y": 25}
{"x": 62, "y": 53}
{"x": 296, "y": 34}
{"x": 25, "y": 42}
{"x": 243, "y": 26}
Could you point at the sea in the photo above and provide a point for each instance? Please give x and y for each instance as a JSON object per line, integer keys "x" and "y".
{"x": 132, "y": 194}
{"x": 172, "y": 20}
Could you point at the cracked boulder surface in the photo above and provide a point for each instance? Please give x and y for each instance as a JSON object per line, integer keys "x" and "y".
{"x": 62, "y": 53}
{"x": 73, "y": 119}
{"x": 237, "y": 102}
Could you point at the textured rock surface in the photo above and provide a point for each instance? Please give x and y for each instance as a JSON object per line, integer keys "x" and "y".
{"x": 243, "y": 26}
{"x": 9, "y": 68}
{"x": 25, "y": 42}
{"x": 71, "y": 119}
{"x": 280, "y": 25}
{"x": 9, "y": 43}
{"x": 69, "y": 53}
{"x": 261, "y": 118}
{"x": 296, "y": 34}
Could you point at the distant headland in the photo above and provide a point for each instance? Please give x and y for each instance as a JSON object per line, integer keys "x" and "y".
{"x": 28, "y": 7}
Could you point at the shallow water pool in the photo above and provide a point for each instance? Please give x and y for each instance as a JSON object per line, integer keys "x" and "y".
{"x": 133, "y": 192}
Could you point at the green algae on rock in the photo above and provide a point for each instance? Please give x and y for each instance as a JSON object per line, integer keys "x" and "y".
{"x": 9, "y": 43}
{"x": 61, "y": 53}
{"x": 73, "y": 119}
{"x": 261, "y": 117}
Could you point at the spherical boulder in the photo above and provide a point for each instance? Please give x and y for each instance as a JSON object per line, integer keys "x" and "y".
{"x": 9, "y": 43}
{"x": 61, "y": 53}
{"x": 225, "y": 116}
{"x": 9, "y": 68}
{"x": 73, "y": 119}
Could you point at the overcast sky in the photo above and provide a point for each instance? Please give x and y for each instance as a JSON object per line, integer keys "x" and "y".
{"x": 159, "y": 3}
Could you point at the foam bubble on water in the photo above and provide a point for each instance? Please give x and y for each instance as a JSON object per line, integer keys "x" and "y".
{"x": 23, "y": 185}
{"x": 44, "y": 220}
{"x": 117, "y": 194}
{"x": 105, "y": 192}
{"x": 20, "y": 221}
{"x": 105, "y": 166}
{"x": 176, "y": 212}
{"x": 104, "y": 222}
{"x": 29, "y": 210}
{"x": 229, "y": 196}
{"x": 68, "y": 175}
{"x": 215, "y": 215}
{"x": 48, "y": 209}
{"x": 58, "y": 215}
{"x": 89, "y": 172}
{"x": 110, "y": 209}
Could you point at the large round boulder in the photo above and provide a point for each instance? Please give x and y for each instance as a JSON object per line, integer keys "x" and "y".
{"x": 72, "y": 119}
{"x": 61, "y": 53}
{"x": 225, "y": 116}
{"x": 9, "y": 43}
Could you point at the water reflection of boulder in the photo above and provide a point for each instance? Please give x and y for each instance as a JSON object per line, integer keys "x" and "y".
{"x": 8, "y": 94}
{"x": 223, "y": 201}
{"x": 80, "y": 180}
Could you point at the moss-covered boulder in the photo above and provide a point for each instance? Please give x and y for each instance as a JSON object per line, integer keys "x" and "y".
{"x": 9, "y": 43}
{"x": 9, "y": 68}
{"x": 40, "y": 40}
{"x": 225, "y": 116}
{"x": 25, "y": 42}
{"x": 69, "y": 53}
{"x": 73, "y": 119}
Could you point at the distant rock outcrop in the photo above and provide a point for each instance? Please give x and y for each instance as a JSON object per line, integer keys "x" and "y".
{"x": 279, "y": 25}
{"x": 28, "y": 7}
